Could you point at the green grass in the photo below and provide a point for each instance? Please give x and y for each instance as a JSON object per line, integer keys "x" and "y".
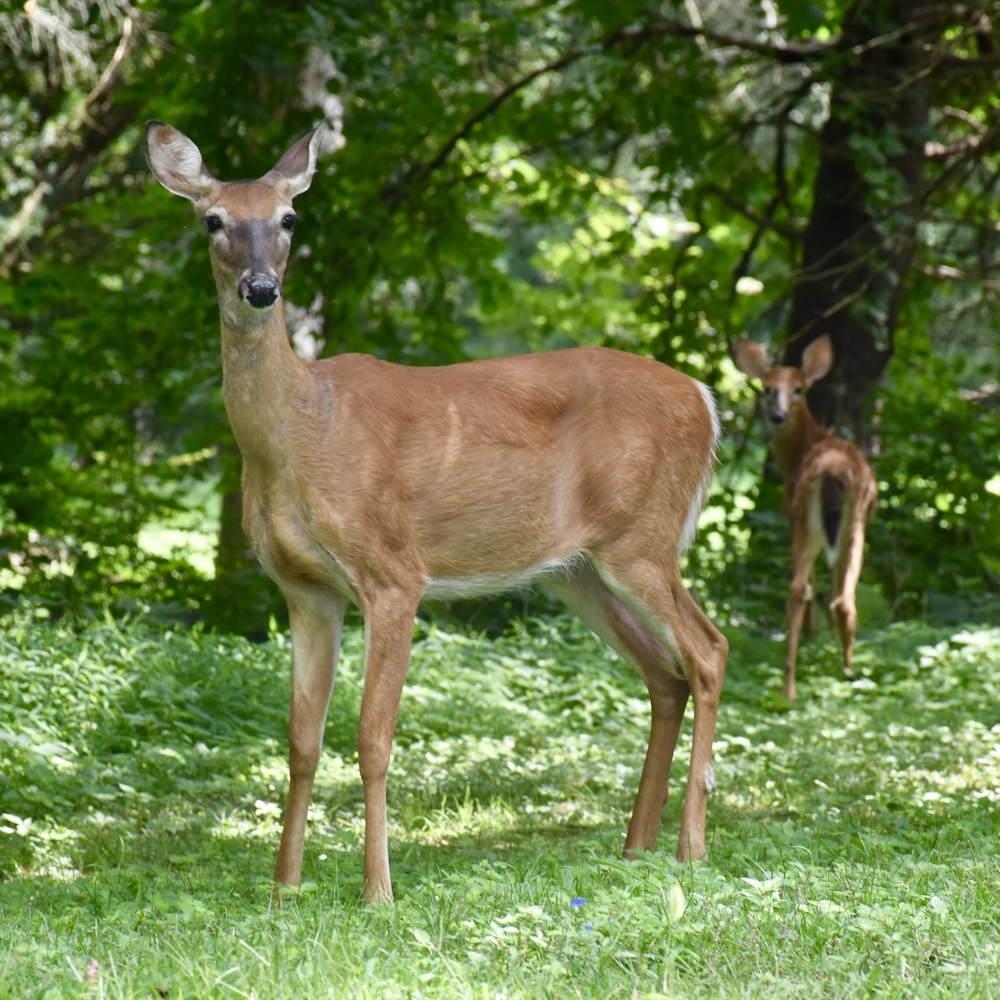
{"x": 853, "y": 837}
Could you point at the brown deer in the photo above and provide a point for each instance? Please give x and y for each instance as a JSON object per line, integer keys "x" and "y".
{"x": 378, "y": 484}
{"x": 830, "y": 493}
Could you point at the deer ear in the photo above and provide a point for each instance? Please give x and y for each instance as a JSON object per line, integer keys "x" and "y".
{"x": 176, "y": 162}
{"x": 297, "y": 166}
{"x": 752, "y": 359}
{"x": 817, "y": 359}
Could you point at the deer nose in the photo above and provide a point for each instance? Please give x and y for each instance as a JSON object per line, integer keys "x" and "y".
{"x": 260, "y": 290}
{"x": 778, "y": 416}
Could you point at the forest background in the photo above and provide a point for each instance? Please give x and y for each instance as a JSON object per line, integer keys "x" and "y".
{"x": 524, "y": 175}
{"x": 517, "y": 176}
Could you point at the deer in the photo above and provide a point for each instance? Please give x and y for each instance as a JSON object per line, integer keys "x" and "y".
{"x": 830, "y": 494}
{"x": 377, "y": 484}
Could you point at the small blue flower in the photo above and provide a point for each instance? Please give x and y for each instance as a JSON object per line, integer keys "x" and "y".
{"x": 588, "y": 927}
{"x": 576, "y": 902}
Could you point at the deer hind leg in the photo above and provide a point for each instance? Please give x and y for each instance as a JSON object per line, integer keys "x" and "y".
{"x": 586, "y": 594}
{"x": 316, "y": 622}
{"x": 846, "y": 572}
{"x": 807, "y": 540}
{"x": 809, "y": 613}
{"x": 651, "y": 620}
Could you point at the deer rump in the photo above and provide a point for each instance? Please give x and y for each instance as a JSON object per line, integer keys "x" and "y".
{"x": 824, "y": 501}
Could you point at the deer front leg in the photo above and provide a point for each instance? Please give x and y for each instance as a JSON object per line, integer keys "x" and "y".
{"x": 388, "y": 637}
{"x": 316, "y": 623}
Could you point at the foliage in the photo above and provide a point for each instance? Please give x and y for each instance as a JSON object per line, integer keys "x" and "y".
{"x": 851, "y": 837}
{"x": 517, "y": 176}
{"x": 936, "y": 533}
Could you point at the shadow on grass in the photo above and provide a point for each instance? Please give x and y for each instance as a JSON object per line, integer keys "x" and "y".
{"x": 178, "y": 768}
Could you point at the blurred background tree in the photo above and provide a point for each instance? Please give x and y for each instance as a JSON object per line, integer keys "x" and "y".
{"x": 659, "y": 177}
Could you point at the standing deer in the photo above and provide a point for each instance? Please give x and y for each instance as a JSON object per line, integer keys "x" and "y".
{"x": 830, "y": 493}
{"x": 378, "y": 484}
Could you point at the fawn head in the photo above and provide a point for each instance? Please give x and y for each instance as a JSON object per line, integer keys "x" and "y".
{"x": 249, "y": 223}
{"x": 784, "y": 386}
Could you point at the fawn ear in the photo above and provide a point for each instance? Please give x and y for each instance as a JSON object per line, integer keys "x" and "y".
{"x": 176, "y": 162}
{"x": 297, "y": 166}
{"x": 817, "y": 359}
{"x": 752, "y": 359}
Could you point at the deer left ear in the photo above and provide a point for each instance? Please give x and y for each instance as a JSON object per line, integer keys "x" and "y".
{"x": 297, "y": 166}
{"x": 817, "y": 359}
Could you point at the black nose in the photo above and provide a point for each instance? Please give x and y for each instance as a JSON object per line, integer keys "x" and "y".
{"x": 778, "y": 417}
{"x": 260, "y": 290}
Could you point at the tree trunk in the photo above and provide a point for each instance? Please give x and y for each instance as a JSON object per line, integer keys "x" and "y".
{"x": 860, "y": 235}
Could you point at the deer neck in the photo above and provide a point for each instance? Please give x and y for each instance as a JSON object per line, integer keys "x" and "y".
{"x": 793, "y": 440}
{"x": 263, "y": 382}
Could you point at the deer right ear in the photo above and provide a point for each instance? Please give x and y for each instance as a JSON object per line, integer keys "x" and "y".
{"x": 176, "y": 162}
{"x": 752, "y": 359}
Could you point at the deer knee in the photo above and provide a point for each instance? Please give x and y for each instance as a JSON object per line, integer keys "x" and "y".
{"x": 304, "y": 749}
{"x": 373, "y": 757}
{"x": 706, "y": 666}
{"x": 800, "y": 595}
{"x": 845, "y": 614}
{"x": 714, "y": 675}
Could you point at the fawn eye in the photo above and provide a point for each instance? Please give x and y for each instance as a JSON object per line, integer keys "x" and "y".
{"x": 213, "y": 223}
{"x": 288, "y": 222}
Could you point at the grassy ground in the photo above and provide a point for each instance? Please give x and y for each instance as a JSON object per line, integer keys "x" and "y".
{"x": 853, "y": 838}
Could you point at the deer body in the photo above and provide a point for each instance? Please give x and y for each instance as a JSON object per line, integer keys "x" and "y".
{"x": 830, "y": 494}
{"x": 540, "y": 495}
{"x": 379, "y": 484}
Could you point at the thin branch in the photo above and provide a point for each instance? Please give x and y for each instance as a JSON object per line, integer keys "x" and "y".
{"x": 396, "y": 191}
{"x": 96, "y": 125}
{"x": 632, "y": 35}
{"x": 113, "y": 71}
{"x": 762, "y": 220}
{"x": 946, "y": 272}
{"x": 780, "y": 51}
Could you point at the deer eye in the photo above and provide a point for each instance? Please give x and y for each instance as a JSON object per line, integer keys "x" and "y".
{"x": 213, "y": 223}
{"x": 288, "y": 222}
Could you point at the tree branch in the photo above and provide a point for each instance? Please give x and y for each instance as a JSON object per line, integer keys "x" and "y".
{"x": 764, "y": 221}
{"x": 633, "y": 35}
{"x": 111, "y": 74}
{"x": 96, "y": 124}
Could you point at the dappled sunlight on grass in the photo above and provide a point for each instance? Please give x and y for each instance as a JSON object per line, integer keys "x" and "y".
{"x": 851, "y": 835}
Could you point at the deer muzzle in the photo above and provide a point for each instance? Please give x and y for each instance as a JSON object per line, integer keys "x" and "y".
{"x": 259, "y": 290}
{"x": 777, "y": 411}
